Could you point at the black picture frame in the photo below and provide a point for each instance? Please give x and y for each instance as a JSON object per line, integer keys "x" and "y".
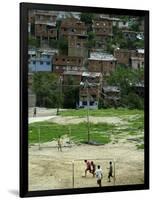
{"x": 24, "y": 7}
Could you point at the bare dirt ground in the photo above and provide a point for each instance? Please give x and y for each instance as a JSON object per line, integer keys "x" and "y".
{"x": 77, "y": 120}
{"x": 42, "y": 112}
{"x": 50, "y": 169}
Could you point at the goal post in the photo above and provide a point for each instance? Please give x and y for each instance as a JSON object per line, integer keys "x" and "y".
{"x": 78, "y": 167}
{"x": 43, "y": 135}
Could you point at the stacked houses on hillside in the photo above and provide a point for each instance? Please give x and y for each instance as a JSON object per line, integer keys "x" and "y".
{"x": 88, "y": 67}
{"x": 103, "y": 29}
{"x": 130, "y": 58}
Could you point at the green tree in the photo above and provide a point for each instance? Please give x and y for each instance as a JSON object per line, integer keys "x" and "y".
{"x": 71, "y": 94}
{"x": 63, "y": 46}
{"x": 58, "y": 25}
{"x": 53, "y": 43}
{"x": 45, "y": 86}
{"x": 87, "y": 17}
{"x": 33, "y": 42}
{"x": 91, "y": 40}
{"x": 126, "y": 78}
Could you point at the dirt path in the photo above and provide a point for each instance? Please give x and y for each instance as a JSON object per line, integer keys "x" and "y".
{"x": 50, "y": 169}
{"x": 77, "y": 120}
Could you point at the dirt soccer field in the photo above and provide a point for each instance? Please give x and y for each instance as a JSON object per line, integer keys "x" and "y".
{"x": 52, "y": 169}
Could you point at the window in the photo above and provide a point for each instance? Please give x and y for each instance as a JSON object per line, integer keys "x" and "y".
{"x": 93, "y": 96}
{"x": 84, "y": 103}
{"x": 48, "y": 63}
{"x": 91, "y": 103}
{"x": 78, "y": 45}
{"x": 138, "y": 65}
{"x": 63, "y": 59}
{"x": 41, "y": 62}
{"x": 34, "y": 62}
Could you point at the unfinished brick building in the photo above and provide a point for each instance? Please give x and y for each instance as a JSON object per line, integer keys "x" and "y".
{"x": 45, "y": 25}
{"x": 123, "y": 56}
{"x": 131, "y": 58}
{"x": 73, "y": 77}
{"x": 101, "y": 62}
{"x": 90, "y": 89}
{"x": 72, "y": 26}
{"x": 77, "y": 45}
{"x": 67, "y": 63}
{"x": 111, "y": 96}
{"x": 103, "y": 29}
{"x": 137, "y": 59}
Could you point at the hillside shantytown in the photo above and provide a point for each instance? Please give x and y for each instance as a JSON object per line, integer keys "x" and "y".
{"x": 79, "y": 60}
{"x": 86, "y": 99}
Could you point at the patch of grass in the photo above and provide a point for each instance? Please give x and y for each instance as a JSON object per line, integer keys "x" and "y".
{"x": 137, "y": 118}
{"x": 132, "y": 133}
{"x": 78, "y": 132}
{"x": 140, "y": 146}
{"x": 137, "y": 122}
{"x": 100, "y": 132}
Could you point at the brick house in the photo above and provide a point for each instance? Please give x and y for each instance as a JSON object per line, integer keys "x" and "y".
{"x": 77, "y": 45}
{"x": 72, "y": 26}
{"x": 101, "y": 62}
{"x": 67, "y": 63}
{"x": 111, "y": 96}
{"x": 123, "y": 56}
{"x": 103, "y": 29}
{"x": 45, "y": 25}
{"x": 103, "y": 26}
{"x": 74, "y": 76}
{"x": 90, "y": 88}
{"x": 133, "y": 58}
{"x": 137, "y": 59}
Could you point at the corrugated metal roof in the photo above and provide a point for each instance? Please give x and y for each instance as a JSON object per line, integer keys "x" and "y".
{"x": 101, "y": 56}
{"x": 111, "y": 89}
{"x": 75, "y": 73}
{"x": 91, "y": 74}
{"x": 140, "y": 51}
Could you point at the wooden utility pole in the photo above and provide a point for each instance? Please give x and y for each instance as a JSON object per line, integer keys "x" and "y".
{"x": 87, "y": 87}
{"x": 60, "y": 94}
